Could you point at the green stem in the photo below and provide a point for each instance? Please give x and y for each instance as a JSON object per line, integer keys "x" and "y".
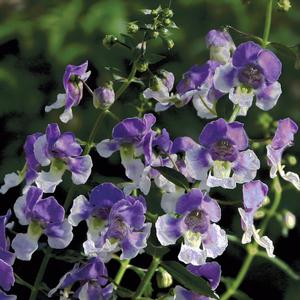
{"x": 252, "y": 249}
{"x": 40, "y": 275}
{"x": 145, "y": 281}
{"x": 21, "y": 281}
{"x": 234, "y": 114}
{"x": 268, "y": 21}
{"x": 121, "y": 272}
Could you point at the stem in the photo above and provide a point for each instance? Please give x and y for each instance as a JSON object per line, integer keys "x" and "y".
{"x": 21, "y": 281}
{"x": 234, "y": 114}
{"x": 268, "y": 21}
{"x": 145, "y": 281}
{"x": 40, "y": 275}
{"x": 121, "y": 272}
{"x": 252, "y": 249}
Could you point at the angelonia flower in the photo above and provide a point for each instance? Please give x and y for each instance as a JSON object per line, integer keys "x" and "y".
{"x": 254, "y": 193}
{"x": 283, "y": 139}
{"x": 210, "y": 271}
{"x": 73, "y": 85}
{"x": 192, "y": 216}
{"x": 220, "y": 45}
{"x": 7, "y": 278}
{"x": 253, "y": 71}
{"x": 115, "y": 222}
{"x": 160, "y": 90}
{"x": 41, "y": 216}
{"x": 223, "y": 154}
{"x": 197, "y": 85}
{"x": 59, "y": 150}
{"x": 104, "y": 97}
{"x": 92, "y": 278}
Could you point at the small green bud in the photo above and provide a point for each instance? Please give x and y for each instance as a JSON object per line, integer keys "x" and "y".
{"x": 109, "y": 41}
{"x": 155, "y": 83}
{"x": 167, "y": 22}
{"x": 289, "y": 220}
{"x": 163, "y": 279}
{"x": 132, "y": 27}
{"x": 155, "y": 12}
{"x": 256, "y": 145}
{"x": 284, "y": 5}
{"x": 259, "y": 214}
{"x": 170, "y": 44}
{"x": 292, "y": 160}
{"x": 266, "y": 201}
{"x": 164, "y": 31}
{"x": 142, "y": 65}
{"x": 168, "y": 13}
{"x": 154, "y": 34}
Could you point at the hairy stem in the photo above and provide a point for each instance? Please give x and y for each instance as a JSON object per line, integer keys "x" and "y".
{"x": 146, "y": 280}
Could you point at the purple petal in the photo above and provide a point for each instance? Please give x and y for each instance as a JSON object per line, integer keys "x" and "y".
{"x": 80, "y": 167}
{"x": 211, "y": 208}
{"x": 80, "y": 210}
{"x": 270, "y": 65}
{"x": 268, "y": 95}
{"x": 59, "y": 235}
{"x": 66, "y": 145}
{"x": 245, "y": 53}
{"x": 254, "y": 193}
{"x": 7, "y": 278}
{"x": 182, "y": 144}
{"x": 52, "y": 134}
{"x": 189, "y": 202}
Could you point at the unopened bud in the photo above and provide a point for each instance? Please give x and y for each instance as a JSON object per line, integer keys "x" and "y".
{"x": 266, "y": 201}
{"x": 167, "y": 22}
{"x": 132, "y": 27}
{"x": 170, "y": 44}
{"x": 104, "y": 97}
{"x": 168, "y": 13}
{"x": 109, "y": 41}
{"x": 155, "y": 12}
{"x": 289, "y": 220}
{"x": 155, "y": 83}
{"x": 284, "y": 5}
{"x": 163, "y": 278}
{"x": 167, "y": 79}
{"x": 142, "y": 65}
{"x": 292, "y": 160}
{"x": 259, "y": 214}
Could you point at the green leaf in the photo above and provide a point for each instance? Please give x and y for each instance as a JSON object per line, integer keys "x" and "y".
{"x": 239, "y": 295}
{"x": 153, "y": 58}
{"x": 187, "y": 279}
{"x": 124, "y": 293}
{"x": 174, "y": 176}
{"x": 281, "y": 265}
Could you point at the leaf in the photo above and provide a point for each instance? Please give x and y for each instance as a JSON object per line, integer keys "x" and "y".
{"x": 187, "y": 279}
{"x": 239, "y": 295}
{"x": 174, "y": 176}
{"x": 124, "y": 293}
{"x": 281, "y": 265}
{"x": 153, "y": 58}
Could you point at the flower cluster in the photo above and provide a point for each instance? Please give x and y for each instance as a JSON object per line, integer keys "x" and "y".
{"x": 118, "y": 222}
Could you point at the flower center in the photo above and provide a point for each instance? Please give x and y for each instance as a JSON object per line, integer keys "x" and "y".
{"x": 223, "y": 150}
{"x": 251, "y": 76}
{"x": 118, "y": 229}
{"x": 196, "y": 221}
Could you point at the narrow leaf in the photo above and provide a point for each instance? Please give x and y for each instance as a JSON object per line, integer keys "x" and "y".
{"x": 187, "y": 279}
{"x": 174, "y": 176}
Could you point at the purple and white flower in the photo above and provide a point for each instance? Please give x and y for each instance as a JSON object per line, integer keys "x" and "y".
{"x": 193, "y": 217}
{"x": 115, "y": 222}
{"x": 104, "y": 97}
{"x": 42, "y": 216}
{"x": 198, "y": 85}
{"x": 222, "y": 154}
{"x": 254, "y": 71}
{"x": 7, "y": 278}
{"x": 73, "y": 84}
{"x": 254, "y": 193}
{"x": 221, "y": 45}
{"x": 92, "y": 277}
{"x": 210, "y": 271}
{"x": 283, "y": 139}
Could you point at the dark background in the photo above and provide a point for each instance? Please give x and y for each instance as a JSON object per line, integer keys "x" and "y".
{"x": 39, "y": 38}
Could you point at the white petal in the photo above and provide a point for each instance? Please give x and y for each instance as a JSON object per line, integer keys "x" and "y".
{"x": 107, "y": 147}
{"x": 192, "y": 255}
{"x": 65, "y": 239}
{"x": 66, "y": 116}
{"x": 19, "y": 209}
{"x": 24, "y": 246}
{"x": 40, "y": 150}
{"x": 291, "y": 177}
{"x": 169, "y": 200}
{"x": 79, "y": 205}
{"x": 243, "y": 99}
{"x": 203, "y": 107}
{"x": 223, "y": 80}
{"x": 226, "y": 183}
{"x": 48, "y": 181}
{"x": 10, "y": 180}
{"x": 60, "y": 102}
{"x": 264, "y": 242}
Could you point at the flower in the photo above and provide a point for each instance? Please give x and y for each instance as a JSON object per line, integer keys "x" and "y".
{"x": 220, "y": 44}
{"x": 73, "y": 84}
{"x": 104, "y": 97}
{"x": 7, "y": 278}
{"x": 222, "y": 152}
{"x": 160, "y": 90}
{"x": 253, "y": 71}
{"x": 254, "y": 193}
{"x": 210, "y": 271}
{"x": 198, "y": 84}
{"x": 43, "y": 216}
{"x": 92, "y": 276}
{"x": 283, "y": 138}
{"x": 193, "y": 217}
{"x": 115, "y": 222}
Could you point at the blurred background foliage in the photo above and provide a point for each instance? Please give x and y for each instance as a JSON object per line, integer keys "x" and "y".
{"x": 39, "y": 38}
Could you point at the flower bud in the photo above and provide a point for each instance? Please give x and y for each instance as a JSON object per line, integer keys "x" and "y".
{"x": 167, "y": 78}
{"x": 154, "y": 34}
{"x": 170, "y": 44}
{"x": 104, "y": 97}
{"x": 132, "y": 27}
{"x": 163, "y": 278}
{"x": 289, "y": 220}
{"x": 142, "y": 65}
{"x": 292, "y": 160}
{"x": 168, "y": 13}
{"x": 167, "y": 22}
{"x": 284, "y": 5}
{"x": 109, "y": 41}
